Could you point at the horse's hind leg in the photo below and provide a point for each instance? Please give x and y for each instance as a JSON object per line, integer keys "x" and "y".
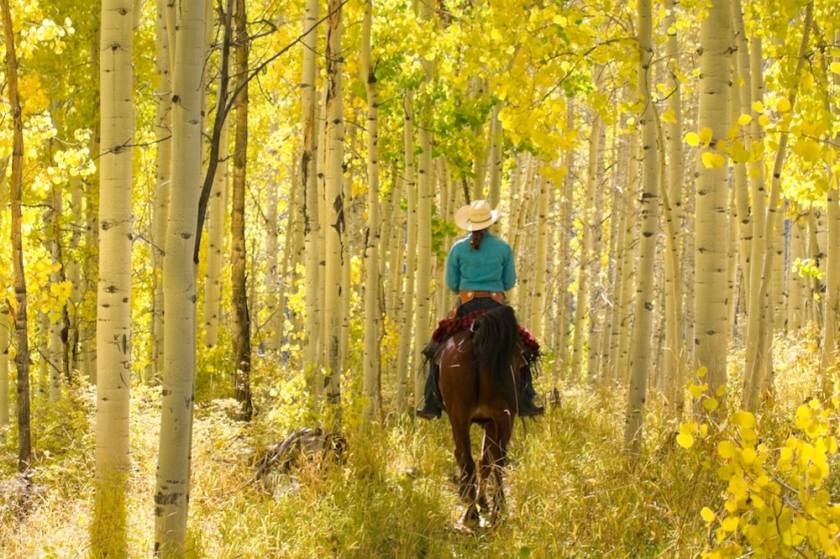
{"x": 492, "y": 461}
{"x": 466, "y": 464}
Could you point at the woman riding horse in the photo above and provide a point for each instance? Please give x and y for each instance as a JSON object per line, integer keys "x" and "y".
{"x": 479, "y": 268}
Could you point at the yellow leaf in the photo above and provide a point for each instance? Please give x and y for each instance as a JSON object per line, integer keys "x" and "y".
{"x": 710, "y": 404}
{"x": 685, "y": 440}
{"x": 706, "y": 135}
{"x": 807, "y": 149}
{"x": 783, "y": 105}
{"x": 748, "y": 455}
{"x": 712, "y": 160}
{"x": 744, "y": 119}
{"x": 669, "y": 117}
{"x": 743, "y": 419}
{"x": 692, "y": 139}
{"x": 726, "y": 449}
{"x": 739, "y": 153}
{"x": 702, "y": 371}
{"x": 763, "y": 120}
{"x": 730, "y": 524}
{"x": 835, "y": 67}
{"x": 707, "y": 514}
{"x": 758, "y": 107}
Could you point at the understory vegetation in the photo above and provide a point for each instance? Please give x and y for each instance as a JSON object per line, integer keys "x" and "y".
{"x": 571, "y": 492}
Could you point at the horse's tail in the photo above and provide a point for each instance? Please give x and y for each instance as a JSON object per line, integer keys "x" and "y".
{"x": 495, "y": 336}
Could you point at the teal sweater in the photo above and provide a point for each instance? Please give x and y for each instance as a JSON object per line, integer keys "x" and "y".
{"x": 490, "y": 268}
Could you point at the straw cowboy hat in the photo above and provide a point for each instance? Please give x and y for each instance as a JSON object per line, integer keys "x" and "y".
{"x": 476, "y": 216}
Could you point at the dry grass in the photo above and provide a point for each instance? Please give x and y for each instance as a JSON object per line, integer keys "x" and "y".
{"x": 570, "y": 491}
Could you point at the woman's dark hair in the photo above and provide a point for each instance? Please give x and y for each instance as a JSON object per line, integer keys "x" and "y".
{"x": 476, "y": 238}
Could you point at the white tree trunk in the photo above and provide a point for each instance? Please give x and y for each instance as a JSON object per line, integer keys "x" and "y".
{"x": 4, "y": 367}
{"x": 334, "y": 224}
{"x": 370, "y": 359}
{"x": 113, "y": 307}
{"x": 163, "y": 170}
{"x": 404, "y": 350}
{"x": 712, "y": 200}
{"x": 173, "y": 472}
{"x": 424, "y": 257}
{"x": 309, "y": 184}
{"x": 644, "y": 304}
{"x": 216, "y": 244}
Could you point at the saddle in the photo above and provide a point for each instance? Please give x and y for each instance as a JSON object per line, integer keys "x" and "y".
{"x": 452, "y": 325}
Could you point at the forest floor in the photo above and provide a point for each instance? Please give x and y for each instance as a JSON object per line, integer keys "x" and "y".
{"x": 570, "y": 491}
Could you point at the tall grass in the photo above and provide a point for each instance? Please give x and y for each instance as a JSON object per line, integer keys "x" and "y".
{"x": 571, "y": 492}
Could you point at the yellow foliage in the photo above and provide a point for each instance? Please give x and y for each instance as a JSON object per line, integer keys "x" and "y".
{"x": 712, "y": 160}
{"x": 692, "y": 139}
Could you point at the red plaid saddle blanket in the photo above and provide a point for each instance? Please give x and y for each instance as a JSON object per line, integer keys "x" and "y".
{"x": 448, "y": 327}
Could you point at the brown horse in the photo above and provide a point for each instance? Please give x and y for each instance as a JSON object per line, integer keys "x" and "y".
{"x": 480, "y": 373}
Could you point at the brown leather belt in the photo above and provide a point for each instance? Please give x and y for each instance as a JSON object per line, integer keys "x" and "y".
{"x": 466, "y": 296}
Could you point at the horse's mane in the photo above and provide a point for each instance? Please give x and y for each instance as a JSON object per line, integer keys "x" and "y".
{"x": 495, "y": 336}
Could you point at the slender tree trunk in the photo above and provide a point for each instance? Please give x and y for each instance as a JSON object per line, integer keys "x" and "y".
{"x": 712, "y": 200}
{"x": 644, "y": 305}
{"x": 673, "y": 215}
{"x": 19, "y": 314}
{"x": 757, "y": 376}
{"x": 424, "y": 256}
{"x": 238, "y": 259}
{"x": 404, "y": 349}
{"x": 271, "y": 274}
{"x": 173, "y": 473}
{"x": 56, "y": 350}
{"x": 564, "y": 256}
{"x": 831, "y": 336}
{"x": 796, "y": 311}
{"x": 587, "y": 225}
{"x": 335, "y": 224}
{"x": 496, "y": 159}
{"x": 371, "y": 387}
{"x": 541, "y": 261}
{"x": 216, "y": 244}
{"x": 309, "y": 184}
{"x": 4, "y": 366}
{"x": 741, "y": 103}
{"x": 113, "y": 316}
{"x": 163, "y": 170}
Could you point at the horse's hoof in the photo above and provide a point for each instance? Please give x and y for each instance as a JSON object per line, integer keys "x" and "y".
{"x": 469, "y": 521}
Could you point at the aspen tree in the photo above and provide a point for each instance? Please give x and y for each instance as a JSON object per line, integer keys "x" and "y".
{"x": 741, "y": 105}
{"x": 757, "y": 374}
{"x": 596, "y": 277}
{"x": 74, "y": 273}
{"x": 619, "y": 216}
{"x": 19, "y": 314}
{"x": 163, "y": 168}
{"x": 644, "y": 304}
{"x": 831, "y": 337}
{"x": 216, "y": 244}
{"x": 334, "y": 205}
{"x": 309, "y": 184}
{"x": 173, "y": 472}
{"x": 371, "y": 386}
{"x": 628, "y": 256}
{"x": 404, "y": 349}
{"x": 238, "y": 259}
{"x": 496, "y": 158}
{"x": 564, "y": 254}
{"x": 424, "y": 256}
{"x": 712, "y": 196}
{"x": 4, "y": 366}
{"x": 584, "y": 269}
{"x": 56, "y": 350}
{"x": 796, "y": 287}
{"x": 272, "y": 271}
{"x": 395, "y": 252}
{"x": 541, "y": 261}
{"x": 758, "y": 195}
{"x": 113, "y": 316}
{"x": 673, "y": 215}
